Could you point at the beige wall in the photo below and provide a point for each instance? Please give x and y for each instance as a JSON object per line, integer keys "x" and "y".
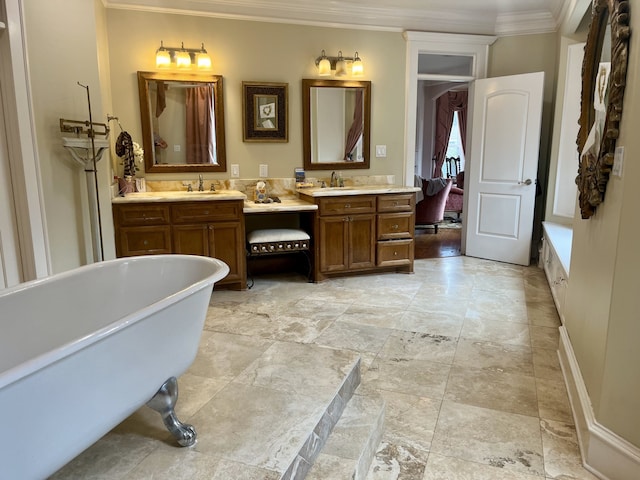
{"x": 62, "y": 50}
{"x": 269, "y": 52}
{"x": 602, "y": 296}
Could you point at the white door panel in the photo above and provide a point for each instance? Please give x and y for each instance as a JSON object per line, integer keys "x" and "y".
{"x": 500, "y": 180}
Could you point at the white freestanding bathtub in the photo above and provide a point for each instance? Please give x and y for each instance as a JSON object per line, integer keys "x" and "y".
{"x": 82, "y": 350}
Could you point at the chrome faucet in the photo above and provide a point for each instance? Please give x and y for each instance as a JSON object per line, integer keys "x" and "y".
{"x": 333, "y": 181}
{"x": 200, "y": 183}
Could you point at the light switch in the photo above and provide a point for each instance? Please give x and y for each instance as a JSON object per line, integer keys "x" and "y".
{"x": 264, "y": 171}
{"x": 381, "y": 151}
{"x": 618, "y": 161}
{"x": 235, "y": 170}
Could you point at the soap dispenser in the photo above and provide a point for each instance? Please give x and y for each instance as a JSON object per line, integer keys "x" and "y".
{"x": 340, "y": 180}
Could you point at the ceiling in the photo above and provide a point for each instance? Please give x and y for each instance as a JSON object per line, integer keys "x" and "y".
{"x": 489, "y": 17}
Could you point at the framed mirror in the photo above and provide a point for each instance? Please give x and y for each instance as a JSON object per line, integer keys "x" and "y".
{"x": 604, "y": 72}
{"x": 182, "y": 117}
{"x": 336, "y": 122}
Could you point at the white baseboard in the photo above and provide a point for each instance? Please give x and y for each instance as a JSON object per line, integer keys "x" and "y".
{"x": 604, "y": 453}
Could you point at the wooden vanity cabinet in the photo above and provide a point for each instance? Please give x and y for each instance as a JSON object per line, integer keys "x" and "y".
{"x": 142, "y": 229}
{"x": 358, "y": 233}
{"x": 214, "y": 229}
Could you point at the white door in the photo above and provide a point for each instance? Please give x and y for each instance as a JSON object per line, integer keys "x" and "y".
{"x": 10, "y": 260}
{"x": 500, "y": 181}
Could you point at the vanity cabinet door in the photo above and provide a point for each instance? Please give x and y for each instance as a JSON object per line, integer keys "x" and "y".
{"x": 219, "y": 240}
{"x": 191, "y": 239}
{"x": 362, "y": 244}
{"x": 226, "y": 242}
{"x": 347, "y": 242}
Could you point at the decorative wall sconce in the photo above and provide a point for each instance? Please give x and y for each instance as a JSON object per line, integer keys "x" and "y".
{"x": 339, "y": 65}
{"x": 182, "y": 57}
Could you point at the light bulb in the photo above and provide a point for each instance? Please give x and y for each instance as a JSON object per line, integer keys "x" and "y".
{"x": 324, "y": 66}
{"x": 341, "y": 66}
{"x": 357, "y": 69}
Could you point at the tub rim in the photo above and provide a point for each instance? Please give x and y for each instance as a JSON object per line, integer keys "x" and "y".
{"x": 33, "y": 365}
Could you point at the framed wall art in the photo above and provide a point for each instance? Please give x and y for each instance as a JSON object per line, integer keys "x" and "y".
{"x": 265, "y": 112}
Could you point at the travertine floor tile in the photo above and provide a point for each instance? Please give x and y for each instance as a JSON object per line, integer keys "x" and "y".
{"x": 506, "y": 392}
{"x": 546, "y": 364}
{"x": 420, "y": 346}
{"x": 553, "y": 401}
{"x": 397, "y": 462}
{"x": 544, "y": 337}
{"x": 449, "y": 468}
{"x": 410, "y": 420}
{"x": 506, "y": 440}
{"x": 491, "y": 330}
{"x": 257, "y": 426}
{"x": 414, "y": 377}
{"x": 494, "y": 356}
{"x": 561, "y": 453}
{"x": 352, "y": 336}
{"x": 224, "y": 356}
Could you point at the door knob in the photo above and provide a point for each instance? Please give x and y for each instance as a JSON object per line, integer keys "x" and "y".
{"x": 528, "y": 181}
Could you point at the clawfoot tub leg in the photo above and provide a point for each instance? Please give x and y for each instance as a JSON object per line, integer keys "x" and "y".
{"x": 163, "y": 402}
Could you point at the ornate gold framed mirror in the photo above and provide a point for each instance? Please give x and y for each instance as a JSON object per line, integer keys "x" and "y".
{"x": 336, "y": 121}
{"x": 604, "y": 72}
{"x": 182, "y": 117}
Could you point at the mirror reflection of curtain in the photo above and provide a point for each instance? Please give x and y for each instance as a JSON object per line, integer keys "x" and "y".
{"x": 446, "y": 105}
{"x": 201, "y": 140}
{"x": 355, "y": 131}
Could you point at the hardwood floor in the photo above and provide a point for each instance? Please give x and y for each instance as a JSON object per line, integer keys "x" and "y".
{"x": 445, "y": 243}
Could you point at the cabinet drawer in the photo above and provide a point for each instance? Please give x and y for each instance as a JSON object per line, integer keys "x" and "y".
{"x": 135, "y": 215}
{"x": 205, "y": 211}
{"x": 403, "y": 202}
{"x": 395, "y": 252}
{"x": 395, "y": 226}
{"x": 152, "y": 240}
{"x": 347, "y": 205}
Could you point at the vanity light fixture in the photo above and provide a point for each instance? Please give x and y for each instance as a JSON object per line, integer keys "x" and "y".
{"x": 357, "y": 69}
{"x": 339, "y": 65}
{"x": 324, "y": 65}
{"x": 182, "y": 57}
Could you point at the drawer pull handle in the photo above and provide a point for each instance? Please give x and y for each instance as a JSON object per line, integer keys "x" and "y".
{"x": 395, "y": 254}
{"x": 347, "y": 205}
{"x": 145, "y": 243}
{"x": 395, "y": 204}
{"x": 395, "y": 227}
{"x": 206, "y": 212}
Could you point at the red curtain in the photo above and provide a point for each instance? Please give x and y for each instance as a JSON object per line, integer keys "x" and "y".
{"x": 355, "y": 131}
{"x": 200, "y": 126}
{"x": 446, "y": 105}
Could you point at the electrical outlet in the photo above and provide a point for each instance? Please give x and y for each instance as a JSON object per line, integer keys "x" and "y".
{"x": 235, "y": 170}
{"x": 381, "y": 151}
{"x": 264, "y": 171}
{"x": 176, "y": 148}
{"x": 618, "y": 162}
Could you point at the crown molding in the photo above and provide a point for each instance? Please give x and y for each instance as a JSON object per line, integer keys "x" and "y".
{"x": 358, "y": 16}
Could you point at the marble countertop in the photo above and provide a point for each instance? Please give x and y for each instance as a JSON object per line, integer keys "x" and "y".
{"x": 355, "y": 190}
{"x": 180, "y": 196}
{"x": 285, "y": 205}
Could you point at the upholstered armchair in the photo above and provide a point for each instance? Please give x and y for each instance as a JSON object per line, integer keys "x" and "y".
{"x": 454, "y": 200}
{"x": 430, "y": 210}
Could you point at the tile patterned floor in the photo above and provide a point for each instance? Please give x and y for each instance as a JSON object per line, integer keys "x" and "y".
{"x": 463, "y": 352}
